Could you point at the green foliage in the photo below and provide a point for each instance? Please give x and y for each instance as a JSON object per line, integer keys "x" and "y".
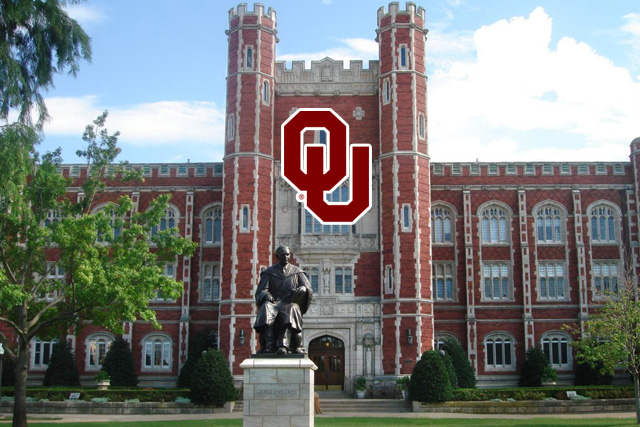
{"x": 361, "y": 384}
{"x": 38, "y": 39}
{"x": 102, "y": 376}
{"x": 204, "y": 340}
{"x": 464, "y": 372}
{"x": 403, "y": 382}
{"x": 8, "y": 372}
{"x": 533, "y": 368}
{"x": 62, "y": 369}
{"x": 555, "y": 392}
{"x": 430, "y": 381}
{"x": 448, "y": 364}
{"x": 212, "y": 383}
{"x": 591, "y": 374}
{"x": 118, "y": 363}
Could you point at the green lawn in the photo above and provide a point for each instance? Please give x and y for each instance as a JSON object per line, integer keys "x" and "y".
{"x": 369, "y": 422}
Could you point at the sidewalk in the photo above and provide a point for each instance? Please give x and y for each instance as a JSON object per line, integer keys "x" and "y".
{"x": 95, "y": 418}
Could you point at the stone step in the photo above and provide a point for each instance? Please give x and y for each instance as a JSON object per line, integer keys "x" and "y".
{"x": 364, "y": 405}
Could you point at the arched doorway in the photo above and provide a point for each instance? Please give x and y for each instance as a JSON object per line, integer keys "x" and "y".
{"x": 327, "y": 353}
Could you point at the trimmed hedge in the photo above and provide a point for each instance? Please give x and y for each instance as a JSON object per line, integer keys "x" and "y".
{"x": 59, "y": 394}
{"x": 430, "y": 381}
{"x": 531, "y": 393}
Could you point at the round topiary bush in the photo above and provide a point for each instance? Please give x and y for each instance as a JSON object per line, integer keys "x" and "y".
{"x": 464, "y": 372}
{"x": 211, "y": 380}
{"x": 533, "y": 368}
{"x": 430, "y": 381}
{"x": 118, "y": 363}
{"x": 62, "y": 369}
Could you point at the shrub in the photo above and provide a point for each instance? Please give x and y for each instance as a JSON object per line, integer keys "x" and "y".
{"x": 361, "y": 384}
{"x": 453, "y": 378}
{"x": 533, "y": 368}
{"x": 591, "y": 375}
{"x": 430, "y": 380}
{"x": 62, "y": 369}
{"x": 8, "y": 372}
{"x": 204, "y": 340}
{"x": 118, "y": 363}
{"x": 211, "y": 382}
{"x": 464, "y": 372}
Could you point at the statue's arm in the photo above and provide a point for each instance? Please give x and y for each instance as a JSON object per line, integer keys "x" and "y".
{"x": 262, "y": 293}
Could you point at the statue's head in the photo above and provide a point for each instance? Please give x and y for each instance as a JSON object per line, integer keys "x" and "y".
{"x": 283, "y": 254}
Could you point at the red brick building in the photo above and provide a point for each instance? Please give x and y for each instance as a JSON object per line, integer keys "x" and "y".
{"x": 498, "y": 256}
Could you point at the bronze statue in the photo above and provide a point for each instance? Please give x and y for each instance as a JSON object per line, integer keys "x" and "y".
{"x": 283, "y": 296}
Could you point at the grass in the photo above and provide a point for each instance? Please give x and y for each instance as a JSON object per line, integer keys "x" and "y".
{"x": 372, "y": 422}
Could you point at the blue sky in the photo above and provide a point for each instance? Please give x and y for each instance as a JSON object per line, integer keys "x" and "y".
{"x": 508, "y": 80}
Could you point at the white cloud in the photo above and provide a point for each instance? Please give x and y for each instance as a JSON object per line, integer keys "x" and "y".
{"x": 352, "y": 49}
{"x": 519, "y": 85}
{"x": 86, "y": 14}
{"x": 150, "y": 124}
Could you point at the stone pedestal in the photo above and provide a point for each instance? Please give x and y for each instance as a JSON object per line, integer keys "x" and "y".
{"x": 278, "y": 391}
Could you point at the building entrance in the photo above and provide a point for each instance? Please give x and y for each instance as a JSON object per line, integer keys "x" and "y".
{"x": 328, "y": 354}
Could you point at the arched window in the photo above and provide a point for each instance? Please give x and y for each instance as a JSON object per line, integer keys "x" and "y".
{"x": 549, "y": 221}
{"x": 388, "y": 280}
{"x": 499, "y": 352}
{"x": 244, "y": 218}
{"x": 441, "y": 225}
{"x": 53, "y": 217}
{"x": 603, "y": 223}
{"x": 557, "y": 349}
{"x": 406, "y": 217}
{"x": 249, "y": 56}
{"x": 265, "y": 92}
{"x": 440, "y": 338}
{"x": 231, "y": 127}
{"x": 156, "y": 355}
{"x": 211, "y": 282}
{"x": 168, "y": 221}
{"x": 97, "y": 346}
{"x": 213, "y": 226}
{"x": 494, "y": 225}
{"x": 386, "y": 91}
{"x": 403, "y": 57}
{"x": 443, "y": 281}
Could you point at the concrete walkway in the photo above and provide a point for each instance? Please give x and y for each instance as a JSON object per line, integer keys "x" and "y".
{"x": 91, "y": 418}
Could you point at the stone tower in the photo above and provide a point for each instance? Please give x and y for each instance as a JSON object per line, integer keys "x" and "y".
{"x": 247, "y": 219}
{"x": 405, "y": 229}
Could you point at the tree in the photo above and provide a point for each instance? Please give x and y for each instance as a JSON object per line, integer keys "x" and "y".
{"x": 534, "y": 368}
{"x": 62, "y": 369}
{"x": 118, "y": 363}
{"x": 110, "y": 273}
{"x": 430, "y": 381}
{"x": 451, "y": 370}
{"x": 37, "y": 40}
{"x": 464, "y": 372}
{"x": 204, "y": 340}
{"x": 211, "y": 382}
{"x": 612, "y": 333}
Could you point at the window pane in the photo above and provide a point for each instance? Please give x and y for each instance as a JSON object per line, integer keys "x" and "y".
{"x": 507, "y": 353}
{"x": 499, "y": 353}
{"x": 490, "y": 353}
{"x": 447, "y": 229}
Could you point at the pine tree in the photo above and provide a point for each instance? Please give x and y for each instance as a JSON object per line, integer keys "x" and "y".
{"x": 62, "y": 369}
{"x": 118, "y": 363}
{"x": 464, "y": 372}
{"x": 430, "y": 381}
{"x": 211, "y": 382}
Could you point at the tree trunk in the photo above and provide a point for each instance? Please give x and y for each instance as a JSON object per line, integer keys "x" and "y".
{"x": 20, "y": 404}
{"x": 636, "y": 393}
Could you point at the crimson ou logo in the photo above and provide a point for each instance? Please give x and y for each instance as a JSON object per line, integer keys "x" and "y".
{"x": 315, "y": 170}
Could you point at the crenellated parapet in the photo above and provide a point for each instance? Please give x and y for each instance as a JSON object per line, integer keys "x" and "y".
{"x": 394, "y": 10}
{"x": 327, "y": 77}
{"x": 258, "y": 10}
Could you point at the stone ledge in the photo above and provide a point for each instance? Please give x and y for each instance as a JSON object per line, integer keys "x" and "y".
{"x": 530, "y": 406}
{"x": 119, "y": 408}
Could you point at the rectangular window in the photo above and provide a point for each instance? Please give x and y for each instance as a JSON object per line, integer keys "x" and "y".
{"x": 443, "y": 281}
{"x": 551, "y": 281}
{"x": 601, "y": 169}
{"x": 529, "y": 169}
{"x": 497, "y": 281}
{"x": 474, "y": 169}
{"x": 75, "y": 170}
{"x": 210, "y": 282}
{"x": 388, "y": 280}
{"x": 583, "y": 169}
{"x": 455, "y": 169}
{"x": 164, "y": 170}
{"x": 406, "y": 217}
{"x": 547, "y": 169}
{"x": 565, "y": 169}
{"x": 386, "y": 91}
{"x": 618, "y": 169}
{"x": 169, "y": 271}
{"x": 493, "y": 169}
{"x": 200, "y": 170}
{"x": 146, "y": 170}
{"x": 217, "y": 169}
{"x": 437, "y": 169}
{"x": 605, "y": 277}
{"x": 343, "y": 280}
{"x": 182, "y": 170}
{"x": 244, "y": 218}
{"x": 512, "y": 169}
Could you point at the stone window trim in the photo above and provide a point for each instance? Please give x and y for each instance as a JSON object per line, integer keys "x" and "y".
{"x": 388, "y": 279}
{"x": 116, "y": 230}
{"x": 249, "y": 58}
{"x": 266, "y": 92}
{"x": 244, "y": 220}
{"x": 444, "y": 277}
{"x": 443, "y": 220}
{"x": 211, "y": 225}
{"x": 557, "y": 346}
{"x": 605, "y": 276}
{"x": 550, "y": 219}
{"x": 41, "y": 353}
{"x": 210, "y": 282}
{"x": 312, "y": 272}
{"x": 171, "y": 219}
{"x": 422, "y": 126}
{"x": 499, "y": 352}
{"x": 170, "y": 269}
{"x": 496, "y": 281}
{"x": 231, "y": 127}
{"x": 552, "y": 280}
{"x": 406, "y": 218}
{"x": 439, "y": 338}
{"x": 604, "y": 223}
{"x": 386, "y": 91}
{"x": 494, "y": 225}
{"x": 157, "y": 353}
{"x": 343, "y": 279}
{"x": 96, "y": 347}
{"x": 404, "y": 59}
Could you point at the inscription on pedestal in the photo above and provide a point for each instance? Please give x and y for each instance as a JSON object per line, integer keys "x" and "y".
{"x": 276, "y": 391}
